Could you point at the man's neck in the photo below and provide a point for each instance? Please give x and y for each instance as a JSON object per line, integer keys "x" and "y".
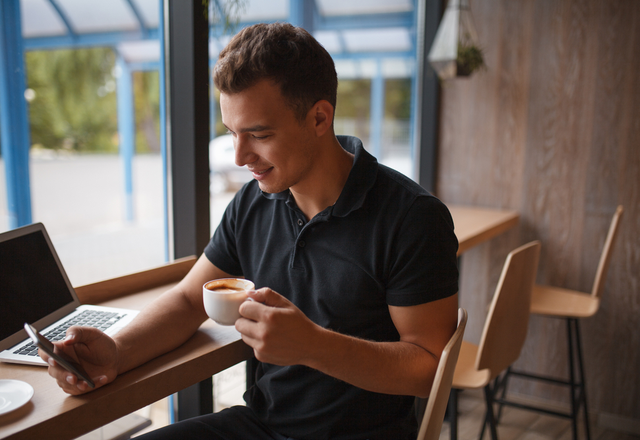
{"x": 325, "y": 185}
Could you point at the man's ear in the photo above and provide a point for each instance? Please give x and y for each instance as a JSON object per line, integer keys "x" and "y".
{"x": 322, "y": 113}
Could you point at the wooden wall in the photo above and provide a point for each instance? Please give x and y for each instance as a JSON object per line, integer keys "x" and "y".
{"x": 552, "y": 128}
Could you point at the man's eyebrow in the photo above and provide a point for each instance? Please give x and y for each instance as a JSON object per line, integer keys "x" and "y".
{"x": 250, "y": 129}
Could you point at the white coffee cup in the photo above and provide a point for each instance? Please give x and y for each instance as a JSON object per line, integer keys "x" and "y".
{"x": 222, "y": 298}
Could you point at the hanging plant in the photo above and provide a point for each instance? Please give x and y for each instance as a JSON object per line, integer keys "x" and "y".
{"x": 455, "y": 51}
{"x": 470, "y": 58}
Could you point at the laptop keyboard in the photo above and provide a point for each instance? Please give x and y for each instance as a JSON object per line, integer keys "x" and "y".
{"x": 91, "y": 318}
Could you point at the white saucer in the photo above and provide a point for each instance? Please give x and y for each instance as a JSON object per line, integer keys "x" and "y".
{"x": 14, "y": 394}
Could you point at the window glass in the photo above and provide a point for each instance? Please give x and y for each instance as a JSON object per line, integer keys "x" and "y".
{"x": 102, "y": 207}
{"x": 396, "y": 133}
{"x": 94, "y": 170}
{"x": 353, "y": 109}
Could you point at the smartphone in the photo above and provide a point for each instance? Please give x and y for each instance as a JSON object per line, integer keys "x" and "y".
{"x": 60, "y": 358}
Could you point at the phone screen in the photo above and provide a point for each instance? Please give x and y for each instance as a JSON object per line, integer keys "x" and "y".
{"x": 62, "y": 359}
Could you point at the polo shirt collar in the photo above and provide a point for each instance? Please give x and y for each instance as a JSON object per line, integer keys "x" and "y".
{"x": 361, "y": 178}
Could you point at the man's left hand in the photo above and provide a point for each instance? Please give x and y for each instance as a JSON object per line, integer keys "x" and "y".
{"x": 275, "y": 328}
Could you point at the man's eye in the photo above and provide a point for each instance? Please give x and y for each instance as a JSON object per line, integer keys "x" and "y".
{"x": 260, "y": 137}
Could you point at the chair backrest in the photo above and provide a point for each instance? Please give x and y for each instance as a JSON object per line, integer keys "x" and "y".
{"x": 505, "y": 328}
{"x": 439, "y": 395}
{"x": 605, "y": 257}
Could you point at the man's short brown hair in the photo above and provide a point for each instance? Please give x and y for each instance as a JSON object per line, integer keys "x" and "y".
{"x": 287, "y": 55}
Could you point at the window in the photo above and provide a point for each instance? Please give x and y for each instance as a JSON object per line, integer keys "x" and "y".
{"x": 93, "y": 172}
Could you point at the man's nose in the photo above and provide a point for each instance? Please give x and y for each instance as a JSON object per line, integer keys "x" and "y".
{"x": 243, "y": 153}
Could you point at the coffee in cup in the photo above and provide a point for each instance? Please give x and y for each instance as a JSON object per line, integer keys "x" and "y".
{"x": 222, "y": 298}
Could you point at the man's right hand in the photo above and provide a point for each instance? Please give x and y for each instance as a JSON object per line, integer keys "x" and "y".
{"x": 162, "y": 326}
{"x": 91, "y": 348}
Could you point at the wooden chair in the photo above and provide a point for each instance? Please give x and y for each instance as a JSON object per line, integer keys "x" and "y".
{"x": 503, "y": 336}
{"x": 438, "y": 397}
{"x": 570, "y": 305}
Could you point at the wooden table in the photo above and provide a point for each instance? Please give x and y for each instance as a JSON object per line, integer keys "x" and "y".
{"x": 474, "y": 225}
{"x": 52, "y": 413}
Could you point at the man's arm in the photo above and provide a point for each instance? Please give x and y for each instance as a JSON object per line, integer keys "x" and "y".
{"x": 168, "y": 321}
{"x": 281, "y": 334}
{"x": 164, "y": 325}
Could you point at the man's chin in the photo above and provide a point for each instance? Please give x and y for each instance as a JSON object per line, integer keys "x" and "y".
{"x": 270, "y": 189}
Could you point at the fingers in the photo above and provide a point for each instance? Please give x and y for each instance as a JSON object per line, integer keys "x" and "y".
{"x": 254, "y": 308}
{"x": 76, "y": 334}
{"x": 66, "y": 380}
{"x": 261, "y": 303}
{"x": 90, "y": 348}
{"x": 268, "y": 297}
{"x": 69, "y": 382}
{"x": 274, "y": 327}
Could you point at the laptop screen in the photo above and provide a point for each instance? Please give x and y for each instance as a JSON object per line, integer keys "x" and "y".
{"x": 31, "y": 283}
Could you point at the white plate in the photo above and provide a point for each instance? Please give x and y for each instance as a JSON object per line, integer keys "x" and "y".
{"x": 14, "y": 394}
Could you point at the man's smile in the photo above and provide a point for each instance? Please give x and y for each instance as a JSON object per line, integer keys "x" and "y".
{"x": 260, "y": 174}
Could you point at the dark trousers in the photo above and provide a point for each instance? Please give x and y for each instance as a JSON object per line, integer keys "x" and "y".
{"x": 235, "y": 423}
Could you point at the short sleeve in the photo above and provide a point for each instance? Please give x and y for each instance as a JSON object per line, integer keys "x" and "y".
{"x": 425, "y": 266}
{"x": 221, "y": 249}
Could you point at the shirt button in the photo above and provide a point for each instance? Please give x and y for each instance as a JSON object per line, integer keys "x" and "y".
{"x": 301, "y": 243}
{"x": 300, "y": 222}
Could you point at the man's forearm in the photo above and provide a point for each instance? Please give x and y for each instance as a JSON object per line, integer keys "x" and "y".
{"x": 406, "y": 367}
{"x": 281, "y": 334}
{"x": 167, "y": 322}
{"x": 385, "y": 367}
{"x": 161, "y": 327}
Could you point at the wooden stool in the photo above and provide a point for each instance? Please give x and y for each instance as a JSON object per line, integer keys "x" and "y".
{"x": 570, "y": 305}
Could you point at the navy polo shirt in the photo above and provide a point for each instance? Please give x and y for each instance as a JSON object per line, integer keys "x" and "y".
{"x": 386, "y": 241}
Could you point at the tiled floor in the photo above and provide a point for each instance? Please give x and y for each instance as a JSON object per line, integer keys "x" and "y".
{"x": 517, "y": 424}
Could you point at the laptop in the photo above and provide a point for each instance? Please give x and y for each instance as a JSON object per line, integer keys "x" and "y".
{"x": 34, "y": 288}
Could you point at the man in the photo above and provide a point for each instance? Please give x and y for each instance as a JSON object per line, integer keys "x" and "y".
{"x": 357, "y": 265}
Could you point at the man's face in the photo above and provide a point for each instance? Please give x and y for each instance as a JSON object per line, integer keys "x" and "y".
{"x": 275, "y": 146}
